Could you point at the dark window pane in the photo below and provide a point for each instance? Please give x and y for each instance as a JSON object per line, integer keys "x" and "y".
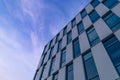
{"x": 80, "y": 27}
{"x": 95, "y": 3}
{"x": 59, "y": 45}
{"x": 90, "y": 68}
{"x": 110, "y": 3}
{"x": 83, "y": 13}
{"x": 69, "y": 37}
{"x": 52, "y": 64}
{"x": 94, "y": 16}
{"x": 92, "y": 36}
{"x": 113, "y": 48}
{"x": 64, "y": 31}
{"x": 73, "y": 23}
{"x": 57, "y": 37}
{"x": 112, "y": 20}
{"x": 55, "y": 76}
{"x": 70, "y": 72}
{"x": 76, "y": 48}
{"x": 63, "y": 57}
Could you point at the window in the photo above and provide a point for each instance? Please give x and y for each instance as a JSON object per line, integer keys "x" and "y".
{"x": 94, "y": 16}
{"x": 63, "y": 57}
{"x": 90, "y": 68}
{"x": 80, "y": 27}
{"x": 94, "y": 3}
{"x": 52, "y": 65}
{"x": 112, "y": 46}
{"x": 51, "y": 52}
{"x": 110, "y": 3}
{"x": 59, "y": 45}
{"x": 112, "y": 20}
{"x": 70, "y": 72}
{"x": 43, "y": 72}
{"x": 69, "y": 37}
{"x": 55, "y": 76}
{"x": 57, "y": 38}
{"x": 65, "y": 31}
{"x": 43, "y": 59}
{"x": 50, "y": 44}
{"x": 92, "y": 36}
{"x": 83, "y": 13}
{"x": 73, "y": 23}
{"x": 76, "y": 48}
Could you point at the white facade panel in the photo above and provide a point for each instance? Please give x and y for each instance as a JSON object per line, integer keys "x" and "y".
{"x": 84, "y": 43}
{"x": 89, "y": 8}
{"x": 62, "y": 75}
{"x": 87, "y": 22}
{"x": 78, "y": 69}
{"x": 74, "y": 32}
{"x": 116, "y": 9}
{"x": 69, "y": 53}
{"x": 101, "y": 28}
{"x": 103, "y": 63}
{"x": 101, "y": 9}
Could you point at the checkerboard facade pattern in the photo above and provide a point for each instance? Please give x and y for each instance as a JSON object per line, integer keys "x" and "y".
{"x": 87, "y": 48}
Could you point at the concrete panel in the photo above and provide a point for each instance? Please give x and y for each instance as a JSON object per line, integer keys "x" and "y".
{"x": 49, "y": 78}
{"x": 57, "y": 62}
{"x": 46, "y": 72}
{"x": 102, "y": 29}
{"x": 101, "y": 9}
{"x": 116, "y": 9}
{"x": 87, "y": 22}
{"x": 104, "y": 65}
{"x": 64, "y": 41}
{"x": 69, "y": 27}
{"x": 74, "y": 32}
{"x": 89, "y": 8}
{"x": 117, "y": 33}
{"x": 84, "y": 43}
{"x": 78, "y": 18}
{"x": 61, "y": 75}
{"x": 78, "y": 69}
{"x": 69, "y": 53}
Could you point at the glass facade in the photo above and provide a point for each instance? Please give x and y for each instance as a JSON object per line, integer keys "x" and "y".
{"x": 94, "y": 3}
{"x": 76, "y": 48}
{"x": 63, "y": 57}
{"x": 73, "y": 22}
{"x": 59, "y": 45}
{"x": 92, "y": 36}
{"x": 83, "y": 13}
{"x": 90, "y": 68}
{"x": 65, "y": 31}
{"x": 110, "y": 3}
{"x": 112, "y": 20}
{"x": 80, "y": 27}
{"x": 69, "y": 37}
{"x": 112, "y": 46}
{"x": 70, "y": 72}
{"x": 94, "y": 16}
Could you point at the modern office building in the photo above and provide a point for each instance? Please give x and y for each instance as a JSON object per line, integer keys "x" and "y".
{"x": 87, "y": 48}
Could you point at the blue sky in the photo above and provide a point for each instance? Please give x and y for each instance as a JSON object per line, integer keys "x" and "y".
{"x": 25, "y": 27}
